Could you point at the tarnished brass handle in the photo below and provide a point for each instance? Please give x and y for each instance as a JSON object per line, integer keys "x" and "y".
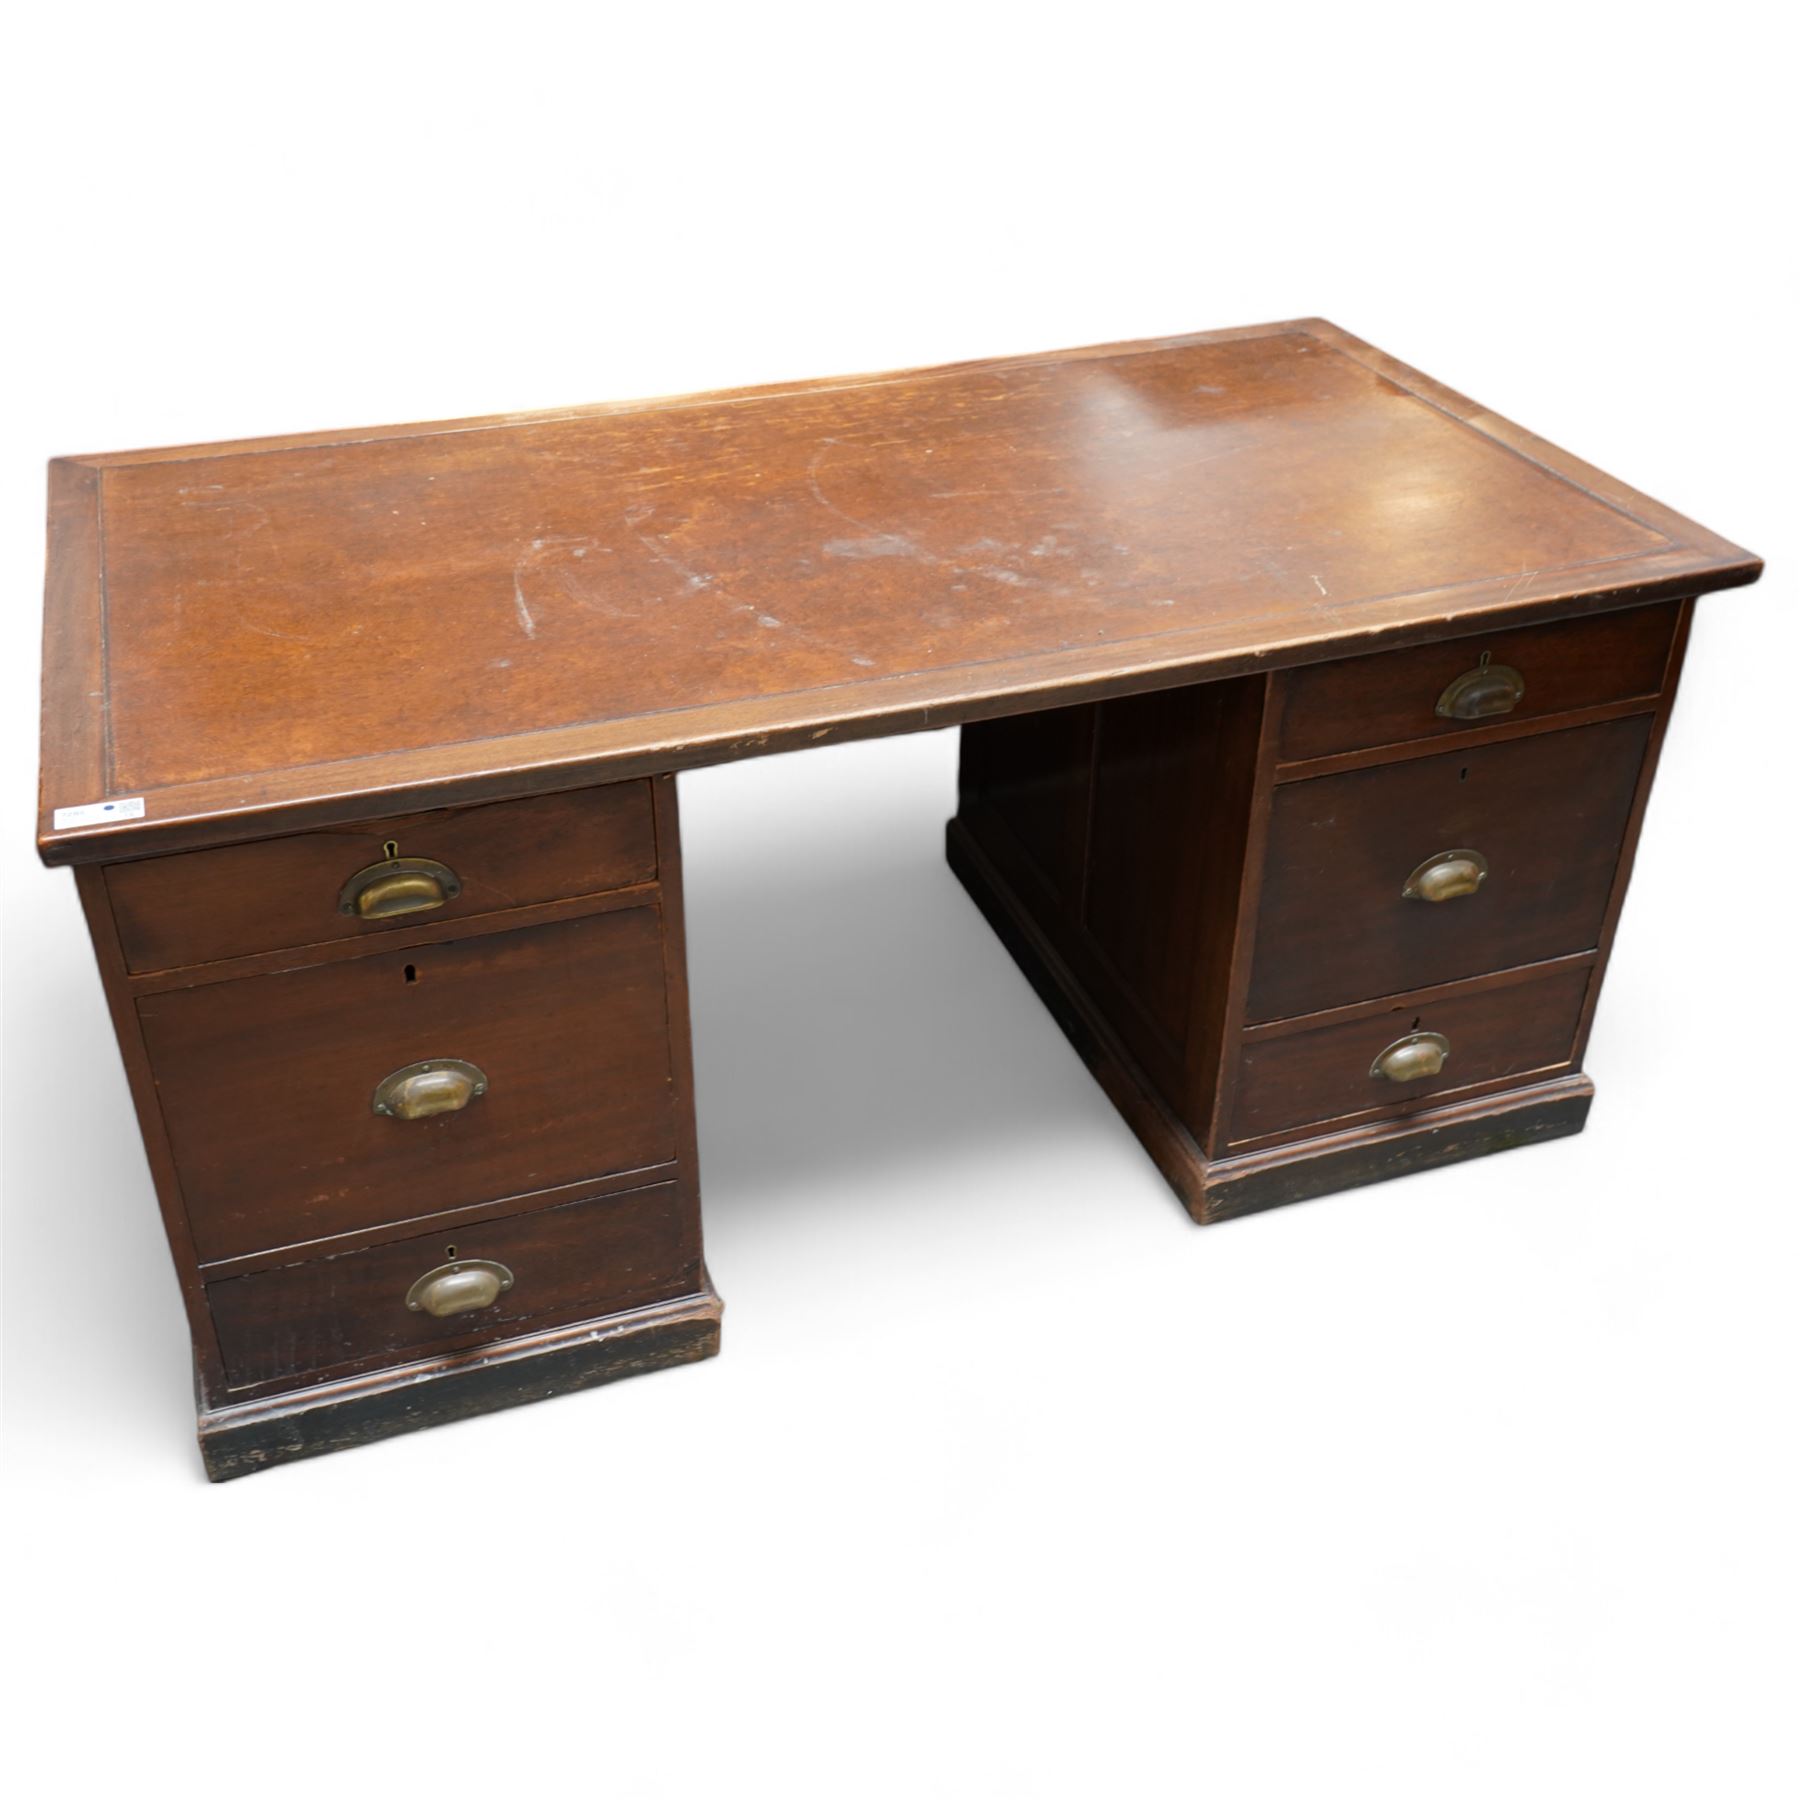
{"x": 403, "y": 884}
{"x": 1483, "y": 692}
{"x": 1447, "y": 876}
{"x": 458, "y": 1287}
{"x": 1411, "y": 1058}
{"x": 424, "y": 1089}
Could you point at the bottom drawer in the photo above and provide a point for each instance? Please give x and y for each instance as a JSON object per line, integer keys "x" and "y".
{"x": 1308, "y": 1074}
{"x": 602, "y": 1255}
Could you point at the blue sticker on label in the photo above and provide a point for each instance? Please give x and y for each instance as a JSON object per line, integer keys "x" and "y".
{"x": 101, "y": 812}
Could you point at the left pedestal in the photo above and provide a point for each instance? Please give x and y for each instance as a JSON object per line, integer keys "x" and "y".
{"x": 417, "y": 1097}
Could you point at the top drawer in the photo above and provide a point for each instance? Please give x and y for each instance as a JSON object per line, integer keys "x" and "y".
{"x": 283, "y": 893}
{"x": 1392, "y": 698}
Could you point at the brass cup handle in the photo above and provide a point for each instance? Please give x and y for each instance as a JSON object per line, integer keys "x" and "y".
{"x": 1483, "y": 692}
{"x": 403, "y": 884}
{"x": 422, "y": 1090}
{"x": 1447, "y": 876}
{"x": 458, "y": 1287}
{"x": 1413, "y": 1057}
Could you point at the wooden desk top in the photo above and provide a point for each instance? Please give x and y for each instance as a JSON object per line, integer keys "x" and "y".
{"x": 259, "y": 636}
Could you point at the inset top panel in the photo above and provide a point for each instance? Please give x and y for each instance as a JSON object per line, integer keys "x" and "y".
{"x": 257, "y": 635}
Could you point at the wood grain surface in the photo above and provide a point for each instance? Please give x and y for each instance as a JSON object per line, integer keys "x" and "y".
{"x": 281, "y": 893}
{"x": 1500, "y": 1030}
{"x": 582, "y": 1260}
{"x": 309, "y": 630}
{"x": 266, "y": 1082}
{"x": 1548, "y": 813}
{"x": 1373, "y": 702}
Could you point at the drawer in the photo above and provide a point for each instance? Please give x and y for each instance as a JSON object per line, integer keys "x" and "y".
{"x": 1392, "y": 697}
{"x": 1505, "y": 1031}
{"x": 268, "y": 1083}
{"x": 280, "y": 893}
{"x": 577, "y": 1261}
{"x": 1547, "y": 815}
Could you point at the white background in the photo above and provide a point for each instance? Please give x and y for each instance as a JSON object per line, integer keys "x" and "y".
{"x": 1009, "y": 1481}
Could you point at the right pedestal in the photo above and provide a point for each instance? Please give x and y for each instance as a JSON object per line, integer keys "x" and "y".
{"x": 1319, "y": 927}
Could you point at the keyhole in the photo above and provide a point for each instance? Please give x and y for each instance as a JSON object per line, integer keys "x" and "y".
{"x": 1415, "y": 1024}
{"x": 391, "y": 849}
{"x": 412, "y": 974}
{"x": 1464, "y": 776}
{"x": 450, "y": 1254}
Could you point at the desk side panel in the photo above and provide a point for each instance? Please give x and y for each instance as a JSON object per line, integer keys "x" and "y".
{"x": 1123, "y": 830}
{"x": 209, "y": 1362}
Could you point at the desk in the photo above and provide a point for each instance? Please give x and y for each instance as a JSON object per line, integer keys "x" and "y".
{"x": 1309, "y": 716}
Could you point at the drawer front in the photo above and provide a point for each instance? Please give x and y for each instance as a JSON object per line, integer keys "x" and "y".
{"x": 1392, "y": 697}
{"x": 268, "y": 1083}
{"x": 282, "y": 893}
{"x": 1519, "y": 1031}
{"x": 582, "y": 1260}
{"x": 1547, "y": 815}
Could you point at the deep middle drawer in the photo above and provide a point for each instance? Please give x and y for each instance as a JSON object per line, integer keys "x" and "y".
{"x": 1421, "y": 872}
{"x": 270, "y": 1084}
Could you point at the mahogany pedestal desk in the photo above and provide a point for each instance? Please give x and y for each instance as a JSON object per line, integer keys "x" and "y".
{"x": 1309, "y": 714}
